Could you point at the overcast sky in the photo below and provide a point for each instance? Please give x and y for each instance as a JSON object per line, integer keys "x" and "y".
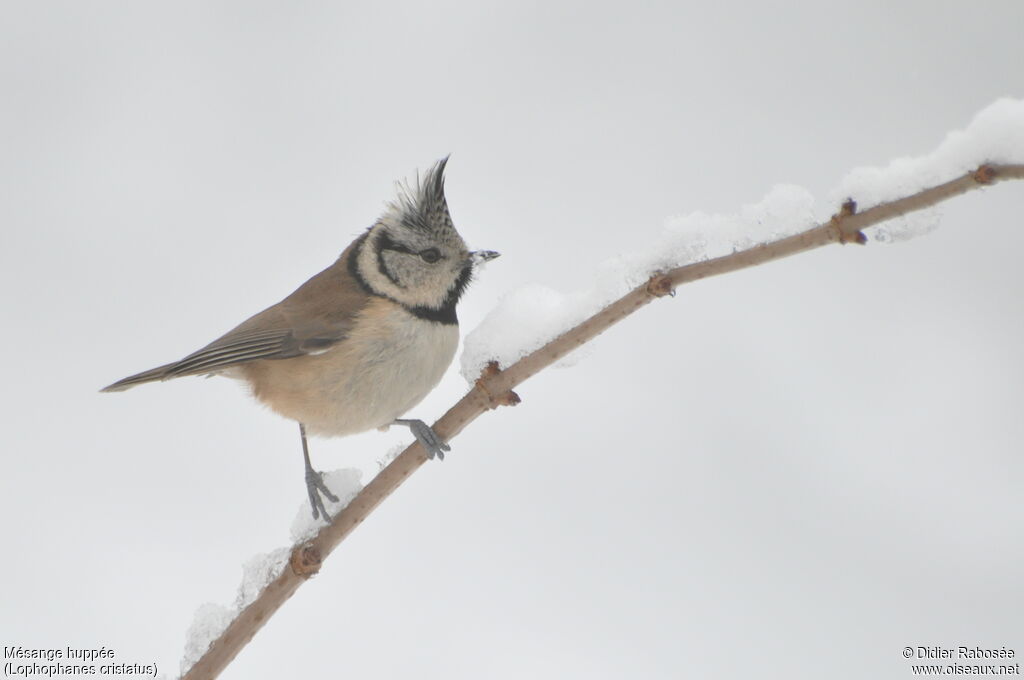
{"x": 791, "y": 471}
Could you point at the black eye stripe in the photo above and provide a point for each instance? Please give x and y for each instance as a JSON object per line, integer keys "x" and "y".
{"x": 385, "y": 243}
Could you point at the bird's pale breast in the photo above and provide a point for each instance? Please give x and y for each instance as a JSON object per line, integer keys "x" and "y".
{"x": 388, "y": 364}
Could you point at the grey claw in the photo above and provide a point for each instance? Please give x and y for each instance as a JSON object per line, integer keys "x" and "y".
{"x": 425, "y": 435}
{"x": 314, "y": 487}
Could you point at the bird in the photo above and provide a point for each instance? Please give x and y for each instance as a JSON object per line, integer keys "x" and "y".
{"x": 361, "y": 343}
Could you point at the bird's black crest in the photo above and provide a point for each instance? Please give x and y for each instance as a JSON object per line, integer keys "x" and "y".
{"x": 423, "y": 207}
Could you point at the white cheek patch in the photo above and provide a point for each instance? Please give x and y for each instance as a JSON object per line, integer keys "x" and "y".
{"x": 425, "y": 285}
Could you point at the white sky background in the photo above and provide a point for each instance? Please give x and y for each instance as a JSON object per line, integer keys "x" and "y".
{"x": 794, "y": 470}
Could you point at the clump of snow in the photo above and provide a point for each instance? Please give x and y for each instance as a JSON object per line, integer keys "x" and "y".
{"x": 257, "y": 572}
{"x": 386, "y": 459}
{"x": 530, "y": 317}
{"x": 906, "y": 227}
{"x": 995, "y": 135}
{"x": 785, "y": 210}
{"x": 522, "y": 321}
{"x": 344, "y": 484}
{"x": 212, "y": 619}
{"x": 208, "y": 623}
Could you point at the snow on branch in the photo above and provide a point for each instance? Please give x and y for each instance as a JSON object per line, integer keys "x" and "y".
{"x": 989, "y": 150}
{"x": 528, "y": 318}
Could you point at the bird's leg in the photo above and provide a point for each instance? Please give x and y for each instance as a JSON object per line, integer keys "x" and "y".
{"x": 315, "y": 483}
{"x": 426, "y": 436}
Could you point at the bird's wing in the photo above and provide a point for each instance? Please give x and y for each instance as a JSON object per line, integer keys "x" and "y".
{"x": 242, "y": 346}
{"x": 249, "y": 342}
{"x": 311, "y": 320}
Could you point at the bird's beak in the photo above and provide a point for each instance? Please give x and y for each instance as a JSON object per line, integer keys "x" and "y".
{"x": 478, "y": 257}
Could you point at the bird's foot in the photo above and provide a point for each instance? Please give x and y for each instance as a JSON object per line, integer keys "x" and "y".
{"x": 315, "y": 486}
{"x": 426, "y": 436}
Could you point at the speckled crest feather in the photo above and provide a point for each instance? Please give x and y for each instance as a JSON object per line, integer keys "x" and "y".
{"x": 423, "y": 207}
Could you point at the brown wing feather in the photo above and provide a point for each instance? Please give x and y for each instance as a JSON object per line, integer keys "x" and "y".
{"x": 319, "y": 314}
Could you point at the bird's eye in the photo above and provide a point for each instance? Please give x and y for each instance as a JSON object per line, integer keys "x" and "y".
{"x": 430, "y": 255}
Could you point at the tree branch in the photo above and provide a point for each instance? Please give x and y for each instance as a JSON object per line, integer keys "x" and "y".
{"x": 494, "y": 388}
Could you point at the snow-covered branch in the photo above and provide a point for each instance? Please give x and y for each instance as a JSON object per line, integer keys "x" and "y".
{"x": 990, "y": 162}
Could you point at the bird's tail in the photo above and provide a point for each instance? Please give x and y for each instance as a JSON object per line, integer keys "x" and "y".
{"x": 158, "y": 373}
